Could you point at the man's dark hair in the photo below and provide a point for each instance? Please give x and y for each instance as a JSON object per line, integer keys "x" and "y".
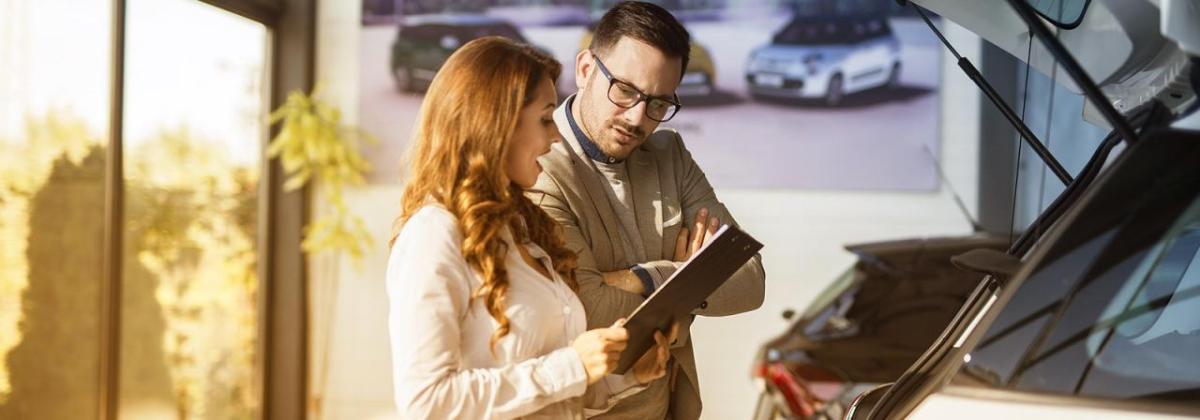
{"x": 644, "y": 22}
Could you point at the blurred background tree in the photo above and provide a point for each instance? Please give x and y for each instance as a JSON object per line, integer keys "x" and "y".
{"x": 190, "y": 288}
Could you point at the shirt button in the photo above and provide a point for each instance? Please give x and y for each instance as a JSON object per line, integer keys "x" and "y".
{"x": 566, "y": 310}
{"x": 704, "y": 305}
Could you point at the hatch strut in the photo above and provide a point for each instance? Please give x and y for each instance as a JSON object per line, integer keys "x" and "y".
{"x": 1152, "y": 114}
{"x": 1027, "y": 134}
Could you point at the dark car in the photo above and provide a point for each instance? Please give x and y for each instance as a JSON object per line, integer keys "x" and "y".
{"x": 423, "y": 43}
{"x": 868, "y": 326}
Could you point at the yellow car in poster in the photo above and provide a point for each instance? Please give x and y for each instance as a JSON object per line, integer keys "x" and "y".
{"x": 698, "y": 78}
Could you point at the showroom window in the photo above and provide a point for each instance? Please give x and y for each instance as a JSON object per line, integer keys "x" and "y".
{"x": 195, "y": 107}
{"x": 138, "y": 227}
{"x": 54, "y": 111}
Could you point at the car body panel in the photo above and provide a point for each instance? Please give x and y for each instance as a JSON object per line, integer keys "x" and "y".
{"x": 954, "y": 403}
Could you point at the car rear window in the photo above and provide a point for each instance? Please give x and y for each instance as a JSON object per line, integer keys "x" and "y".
{"x": 1112, "y": 309}
{"x": 467, "y": 33}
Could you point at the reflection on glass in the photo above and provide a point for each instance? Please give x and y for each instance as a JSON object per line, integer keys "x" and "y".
{"x": 52, "y": 123}
{"x": 195, "y": 108}
{"x": 1066, "y": 13}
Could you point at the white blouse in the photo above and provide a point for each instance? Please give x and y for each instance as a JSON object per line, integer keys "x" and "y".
{"x": 442, "y": 362}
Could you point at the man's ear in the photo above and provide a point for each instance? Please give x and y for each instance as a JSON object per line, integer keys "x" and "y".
{"x": 584, "y": 66}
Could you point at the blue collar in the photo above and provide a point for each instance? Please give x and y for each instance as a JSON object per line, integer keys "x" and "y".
{"x": 589, "y": 148}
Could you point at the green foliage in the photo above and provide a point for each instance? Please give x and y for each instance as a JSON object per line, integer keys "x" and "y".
{"x": 314, "y": 144}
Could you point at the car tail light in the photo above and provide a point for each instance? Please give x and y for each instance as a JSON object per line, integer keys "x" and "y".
{"x": 805, "y": 388}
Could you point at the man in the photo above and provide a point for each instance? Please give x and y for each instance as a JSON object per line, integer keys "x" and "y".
{"x": 632, "y": 202}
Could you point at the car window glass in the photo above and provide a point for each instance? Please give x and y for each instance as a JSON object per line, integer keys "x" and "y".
{"x": 504, "y": 31}
{"x": 1149, "y": 337}
{"x": 878, "y": 28}
{"x": 409, "y": 33}
{"x": 438, "y": 32}
{"x": 819, "y": 32}
{"x": 420, "y": 33}
{"x": 1066, "y": 13}
{"x": 467, "y": 33}
{"x": 833, "y": 8}
{"x": 1172, "y": 283}
{"x": 1058, "y": 364}
{"x": 1143, "y": 341}
{"x": 1025, "y": 315}
{"x": 822, "y": 301}
{"x": 1131, "y": 326}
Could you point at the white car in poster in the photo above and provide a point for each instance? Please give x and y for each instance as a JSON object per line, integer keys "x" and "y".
{"x": 826, "y": 58}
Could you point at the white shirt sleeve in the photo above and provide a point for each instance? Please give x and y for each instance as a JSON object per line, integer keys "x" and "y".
{"x": 429, "y": 291}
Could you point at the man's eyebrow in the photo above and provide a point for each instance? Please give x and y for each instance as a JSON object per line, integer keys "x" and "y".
{"x": 669, "y": 96}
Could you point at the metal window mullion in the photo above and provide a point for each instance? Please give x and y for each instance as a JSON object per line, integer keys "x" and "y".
{"x": 114, "y": 212}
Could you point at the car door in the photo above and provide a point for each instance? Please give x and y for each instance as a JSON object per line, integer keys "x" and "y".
{"x": 858, "y": 53}
{"x": 875, "y": 56}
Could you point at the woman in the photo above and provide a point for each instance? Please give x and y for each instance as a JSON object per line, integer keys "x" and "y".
{"x": 484, "y": 320}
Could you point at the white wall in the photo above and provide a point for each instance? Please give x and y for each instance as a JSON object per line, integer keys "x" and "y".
{"x": 803, "y": 231}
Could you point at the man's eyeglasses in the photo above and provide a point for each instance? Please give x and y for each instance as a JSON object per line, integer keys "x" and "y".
{"x": 625, "y": 95}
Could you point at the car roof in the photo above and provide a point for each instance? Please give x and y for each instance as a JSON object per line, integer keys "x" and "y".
{"x": 457, "y": 19}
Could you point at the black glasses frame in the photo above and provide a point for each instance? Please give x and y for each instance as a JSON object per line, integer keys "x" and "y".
{"x": 641, "y": 96}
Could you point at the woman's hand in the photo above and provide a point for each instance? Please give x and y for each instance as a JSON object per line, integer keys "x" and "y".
{"x": 600, "y": 349}
{"x": 653, "y": 364}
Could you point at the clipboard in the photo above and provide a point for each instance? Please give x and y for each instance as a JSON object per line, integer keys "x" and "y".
{"x": 691, "y": 284}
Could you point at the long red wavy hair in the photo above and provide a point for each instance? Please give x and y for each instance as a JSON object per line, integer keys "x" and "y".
{"x": 466, "y": 123}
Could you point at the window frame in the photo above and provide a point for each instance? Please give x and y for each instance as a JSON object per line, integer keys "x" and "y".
{"x": 284, "y": 315}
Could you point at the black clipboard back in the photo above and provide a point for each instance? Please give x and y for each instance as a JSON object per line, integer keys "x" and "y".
{"x": 691, "y": 284}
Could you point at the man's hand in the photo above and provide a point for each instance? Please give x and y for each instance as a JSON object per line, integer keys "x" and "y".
{"x": 653, "y": 364}
{"x": 625, "y": 280}
{"x": 701, "y": 234}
